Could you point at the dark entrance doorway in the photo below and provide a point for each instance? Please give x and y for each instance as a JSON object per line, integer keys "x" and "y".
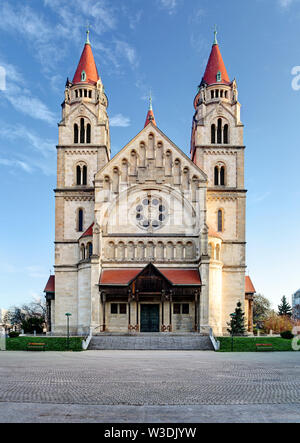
{"x": 149, "y": 318}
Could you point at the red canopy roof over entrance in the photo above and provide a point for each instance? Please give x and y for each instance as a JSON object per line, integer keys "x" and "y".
{"x": 180, "y": 277}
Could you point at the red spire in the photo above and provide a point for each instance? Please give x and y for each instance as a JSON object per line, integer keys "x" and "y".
{"x": 215, "y": 71}
{"x": 150, "y": 116}
{"x": 87, "y": 70}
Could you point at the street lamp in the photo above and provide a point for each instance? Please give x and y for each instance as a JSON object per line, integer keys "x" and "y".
{"x": 68, "y": 315}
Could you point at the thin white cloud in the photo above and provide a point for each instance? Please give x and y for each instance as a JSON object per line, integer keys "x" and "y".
{"x": 123, "y": 49}
{"x": 21, "y": 98}
{"x": 50, "y": 44}
{"x": 44, "y": 150}
{"x": 15, "y": 132}
{"x": 285, "y": 3}
{"x": 169, "y": 5}
{"x": 16, "y": 164}
{"x": 119, "y": 121}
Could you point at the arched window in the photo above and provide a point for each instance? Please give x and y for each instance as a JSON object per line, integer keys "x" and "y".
{"x": 222, "y": 176}
{"x": 80, "y": 220}
{"x": 84, "y": 175}
{"x": 75, "y": 133}
{"x": 80, "y": 92}
{"x": 213, "y": 134}
{"x": 90, "y": 94}
{"x": 212, "y": 94}
{"x": 226, "y": 141}
{"x": 90, "y": 249}
{"x": 220, "y": 220}
{"x": 78, "y": 175}
{"x": 88, "y": 133}
{"x": 219, "y": 131}
{"x": 82, "y": 252}
{"x": 82, "y": 131}
{"x": 216, "y": 176}
{"x": 217, "y": 93}
{"x": 85, "y": 93}
{"x": 76, "y": 93}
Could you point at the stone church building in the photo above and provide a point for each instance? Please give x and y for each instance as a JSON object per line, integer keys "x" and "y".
{"x": 151, "y": 240}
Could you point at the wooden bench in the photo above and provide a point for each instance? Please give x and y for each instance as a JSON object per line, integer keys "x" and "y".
{"x": 264, "y": 346}
{"x": 36, "y": 346}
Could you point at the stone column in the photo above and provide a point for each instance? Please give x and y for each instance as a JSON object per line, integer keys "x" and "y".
{"x": 170, "y": 305}
{"x": 103, "y": 311}
{"x": 204, "y": 300}
{"x": 137, "y": 310}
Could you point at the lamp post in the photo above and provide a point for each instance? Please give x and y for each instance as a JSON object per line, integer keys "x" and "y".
{"x": 68, "y": 315}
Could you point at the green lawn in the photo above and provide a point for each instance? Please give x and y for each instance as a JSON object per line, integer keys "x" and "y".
{"x": 247, "y": 344}
{"x": 52, "y": 343}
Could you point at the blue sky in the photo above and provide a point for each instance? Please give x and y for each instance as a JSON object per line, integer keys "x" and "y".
{"x": 163, "y": 45}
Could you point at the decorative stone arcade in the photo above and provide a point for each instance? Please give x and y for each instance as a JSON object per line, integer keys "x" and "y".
{"x": 150, "y": 300}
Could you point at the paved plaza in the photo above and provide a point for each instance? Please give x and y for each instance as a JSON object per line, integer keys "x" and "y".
{"x": 149, "y": 386}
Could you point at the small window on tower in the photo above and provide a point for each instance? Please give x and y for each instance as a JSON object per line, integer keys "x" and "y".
{"x": 220, "y": 220}
{"x": 219, "y": 76}
{"x": 90, "y": 94}
{"x": 80, "y": 220}
{"x": 83, "y": 76}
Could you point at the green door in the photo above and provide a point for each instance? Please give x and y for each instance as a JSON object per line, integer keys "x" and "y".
{"x": 149, "y": 318}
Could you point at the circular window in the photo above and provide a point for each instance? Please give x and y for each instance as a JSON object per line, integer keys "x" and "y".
{"x": 150, "y": 213}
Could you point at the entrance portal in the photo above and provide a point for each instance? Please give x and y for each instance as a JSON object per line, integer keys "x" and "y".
{"x": 149, "y": 318}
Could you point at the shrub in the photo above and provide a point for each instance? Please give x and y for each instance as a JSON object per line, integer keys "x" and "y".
{"x": 14, "y": 334}
{"x": 287, "y": 335}
{"x": 278, "y": 323}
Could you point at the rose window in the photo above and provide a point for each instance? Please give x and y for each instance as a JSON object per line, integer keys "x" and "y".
{"x": 151, "y": 213}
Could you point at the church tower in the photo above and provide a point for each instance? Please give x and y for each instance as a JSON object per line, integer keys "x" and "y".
{"x": 83, "y": 149}
{"x": 217, "y": 148}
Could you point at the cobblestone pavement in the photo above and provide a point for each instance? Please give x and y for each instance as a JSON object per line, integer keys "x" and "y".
{"x": 150, "y": 378}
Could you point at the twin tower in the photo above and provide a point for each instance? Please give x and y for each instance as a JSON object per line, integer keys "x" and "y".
{"x": 151, "y": 240}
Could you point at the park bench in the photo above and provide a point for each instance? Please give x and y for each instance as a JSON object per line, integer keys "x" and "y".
{"x": 264, "y": 347}
{"x": 36, "y": 346}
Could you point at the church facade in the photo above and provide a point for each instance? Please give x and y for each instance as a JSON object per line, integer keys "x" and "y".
{"x": 151, "y": 240}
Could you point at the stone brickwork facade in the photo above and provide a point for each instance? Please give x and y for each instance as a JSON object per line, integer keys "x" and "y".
{"x": 150, "y": 204}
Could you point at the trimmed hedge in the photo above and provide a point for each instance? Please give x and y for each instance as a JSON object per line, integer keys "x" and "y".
{"x": 52, "y": 343}
{"x": 247, "y": 344}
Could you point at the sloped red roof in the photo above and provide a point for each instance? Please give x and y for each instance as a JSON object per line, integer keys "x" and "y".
{"x": 88, "y": 65}
{"x": 215, "y": 64}
{"x": 249, "y": 288}
{"x": 184, "y": 277}
{"x": 88, "y": 232}
{"x": 118, "y": 276}
{"x": 150, "y": 118}
{"x": 50, "y": 286}
{"x": 212, "y": 233}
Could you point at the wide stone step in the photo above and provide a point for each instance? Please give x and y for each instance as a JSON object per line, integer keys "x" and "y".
{"x": 191, "y": 342}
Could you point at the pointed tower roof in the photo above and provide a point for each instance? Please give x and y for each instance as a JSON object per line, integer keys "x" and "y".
{"x": 150, "y": 116}
{"x": 86, "y": 71}
{"x": 215, "y": 70}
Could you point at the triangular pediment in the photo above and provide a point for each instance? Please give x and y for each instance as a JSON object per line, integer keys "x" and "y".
{"x": 152, "y": 163}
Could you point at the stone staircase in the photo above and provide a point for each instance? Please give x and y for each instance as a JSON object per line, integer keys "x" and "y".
{"x": 151, "y": 342}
